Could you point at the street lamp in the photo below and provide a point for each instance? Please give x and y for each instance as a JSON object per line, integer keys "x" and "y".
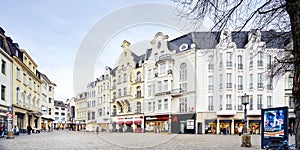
{"x": 245, "y": 102}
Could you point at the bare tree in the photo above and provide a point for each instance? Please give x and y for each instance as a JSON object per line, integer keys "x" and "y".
{"x": 278, "y": 15}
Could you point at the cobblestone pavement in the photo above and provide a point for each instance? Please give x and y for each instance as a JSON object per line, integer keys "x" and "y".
{"x": 71, "y": 140}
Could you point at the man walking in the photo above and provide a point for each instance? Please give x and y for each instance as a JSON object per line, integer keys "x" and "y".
{"x": 240, "y": 130}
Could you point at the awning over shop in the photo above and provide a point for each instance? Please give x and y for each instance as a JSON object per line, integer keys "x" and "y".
{"x": 48, "y": 118}
{"x": 120, "y": 122}
{"x": 138, "y": 122}
{"x": 128, "y": 122}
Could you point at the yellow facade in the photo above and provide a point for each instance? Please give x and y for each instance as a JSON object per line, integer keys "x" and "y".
{"x": 26, "y": 91}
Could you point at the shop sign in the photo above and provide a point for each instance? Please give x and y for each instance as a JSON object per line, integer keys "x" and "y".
{"x": 151, "y": 118}
{"x": 190, "y": 124}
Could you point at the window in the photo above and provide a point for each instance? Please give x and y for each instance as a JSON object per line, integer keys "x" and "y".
{"x": 49, "y": 111}
{"x": 291, "y": 102}
{"x": 3, "y": 67}
{"x": 163, "y": 68}
{"x": 3, "y": 90}
{"x": 18, "y": 73}
{"x": 183, "y": 72}
{"x": 251, "y": 60}
{"x": 159, "y": 88}
{"x": 138, "y": 77}
{"x": 259, "y": 59}
{"x": 228, "y": 102}
{"x": 165, "y": 104}
{"x": 62, "y": 114}
{"x": 240, "y": 82}
{"x": 138, "y": 92}
{"x": 119, "y": 79}
{"x": 228, "y": 84}
{"x": 138, "y": 107}
{"x": 221, "y": 61}
{"x": 153, "y": 89}
{"x": 269, "y": 101}
{"x": 166, "y": 85}
{"x": 210, "y": 62}
{"x": 114, "y": 84}
{"x": 149, "y": 73}
{"x": 125, "y": 77}
{"x": 240, "y": 106}
{"x": 251, "y": 102}
{"x": 159, "y": 105}
{"x": 269, "y": 62}
{"x": 153, "y": 104}
{"x": 56, "y": 113}
{"x": 183, "y": 105}
{"x": 251, "y": 81}
{"x": 50, "y": 88}
{"x": 125, "y": 91}
{"x": 259, "y": 102}
{"x": 29, "y": 83}
{"x": 221, "y": 103}
{"x": 24, "y": 78}
{"x": 210, "y": 83}
{"x": 149, "y": 106}
{"x": 229, "y": 59}
{"x": 290, "y": 81}
{"x": 119, "y": 92}
{"x": 210, "y": 103}
{"x": 259, "y": 80}
{"x": 240, "y": 62}
{"x": 183, "y": 87}
{"x": 50, "y": 100}
{"x": 221, "y": 81}
{"x": 18, "y": 95}
{"x": 149, "y": 90}
{"x": 93, "y": 115}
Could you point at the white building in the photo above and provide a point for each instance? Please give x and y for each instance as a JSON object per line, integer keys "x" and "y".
{"x": 91, "y": 106}
{"x": 60, "y": 115}
{"x": 5, "y": 79}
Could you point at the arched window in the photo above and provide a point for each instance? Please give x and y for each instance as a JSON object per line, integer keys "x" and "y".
{"x": 138, "y": 77}
{"x": 183, "y": 72}
{"x": 138, "y": 92}
{"x": 138, "y": 107}
{"x": 17, "y": 94}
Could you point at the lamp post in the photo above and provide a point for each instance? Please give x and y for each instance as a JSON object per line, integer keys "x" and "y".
{"x": 245, "y": 102}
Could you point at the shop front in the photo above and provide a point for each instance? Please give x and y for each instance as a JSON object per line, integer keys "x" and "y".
{"x": 238, "y": 123}
{"x": 225, "y": 126}
{"x": 254, "y": 126}
{"x": 157, "y": 124}
{"x": 128, "y": 124}
{"x": 183, "y": 123}
{"x": 210, "y": 126}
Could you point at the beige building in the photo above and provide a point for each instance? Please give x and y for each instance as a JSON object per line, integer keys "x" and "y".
{"x": 81, "y": 111}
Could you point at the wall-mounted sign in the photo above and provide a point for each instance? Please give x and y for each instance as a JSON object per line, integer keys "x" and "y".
{"x": 190, "y": 124}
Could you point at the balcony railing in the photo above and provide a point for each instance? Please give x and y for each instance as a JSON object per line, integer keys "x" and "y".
{"x": 240, "y": 107}
{"x": 259, "y": 85}
{"x": 228, "y": 107}
{"x": 176, "y": 92}
{"x": 229, "y": 64}
{"x": 165, "y": 57}
{"x": 138, "y": 80}
{"x": 228, "y": 85}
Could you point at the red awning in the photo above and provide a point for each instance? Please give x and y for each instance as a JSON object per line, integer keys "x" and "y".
{"x": 138, "y": 122}
{"x": 120, "y": 122}
{"x": 128, "y": 122}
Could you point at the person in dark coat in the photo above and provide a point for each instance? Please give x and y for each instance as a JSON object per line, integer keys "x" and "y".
{"x": 29, "y": 129}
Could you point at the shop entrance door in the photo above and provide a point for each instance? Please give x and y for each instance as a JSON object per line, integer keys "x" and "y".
{"x": 199, "y": 127}
{"x": 182, "y": 128}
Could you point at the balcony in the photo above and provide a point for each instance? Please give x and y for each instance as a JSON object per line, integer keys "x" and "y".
{"x": 176, "y": 92}
{"x": 165, "y": 57}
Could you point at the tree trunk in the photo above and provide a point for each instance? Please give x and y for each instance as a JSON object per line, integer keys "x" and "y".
{"x": 293, "y": 9}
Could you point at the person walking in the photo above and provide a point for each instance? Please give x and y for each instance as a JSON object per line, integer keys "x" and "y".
{"x": 97, "y": 129}
{"x": 2, "y": 130}
{"x": 240, "y": 130}
{"x": 29, "y": 129}
{"x": 16, "y": 130}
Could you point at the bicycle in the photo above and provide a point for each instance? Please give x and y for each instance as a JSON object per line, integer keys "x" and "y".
{"x": 280, "y": 145}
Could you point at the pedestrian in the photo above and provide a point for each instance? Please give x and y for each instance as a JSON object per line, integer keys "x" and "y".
{"x": 157, "y": 128}
{"x": 3, "y": 130}
{"x": 240, "y": 130}
{"x": 224, "y": 131}
{"x": 97, "y": 129}
{"x": 29, "y": 129}
{"x": 16, "y": 130}
{"x": 49, "y": 128}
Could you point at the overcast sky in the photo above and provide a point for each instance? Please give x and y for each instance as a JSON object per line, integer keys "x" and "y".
{"x": 52, "y": 31}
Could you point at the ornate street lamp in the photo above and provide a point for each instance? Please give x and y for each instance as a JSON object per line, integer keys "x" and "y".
{"x": 245, "y": 102}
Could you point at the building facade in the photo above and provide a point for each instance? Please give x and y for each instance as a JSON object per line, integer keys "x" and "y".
{"x": 91, "y": 107}
{"x": 81, "y": 111}
{"x": 60, "y": 115}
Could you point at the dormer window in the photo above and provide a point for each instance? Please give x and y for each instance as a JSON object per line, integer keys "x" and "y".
{"x": 158, "y": 45}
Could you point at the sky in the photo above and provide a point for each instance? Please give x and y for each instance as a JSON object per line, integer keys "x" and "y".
{"x": 53, "y": 32}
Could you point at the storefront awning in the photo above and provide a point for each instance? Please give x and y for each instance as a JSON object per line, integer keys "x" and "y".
{"x": 120, "y": 122}
{"x": 47, "y": 118}
{"x": 128, "y": 122}
{"x": 138, "y": 122}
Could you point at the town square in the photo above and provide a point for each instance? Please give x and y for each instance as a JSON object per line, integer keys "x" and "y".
{"x": 150, "y": 74}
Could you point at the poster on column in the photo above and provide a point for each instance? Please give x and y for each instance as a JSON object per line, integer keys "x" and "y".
{"x": 274, "y": 124}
